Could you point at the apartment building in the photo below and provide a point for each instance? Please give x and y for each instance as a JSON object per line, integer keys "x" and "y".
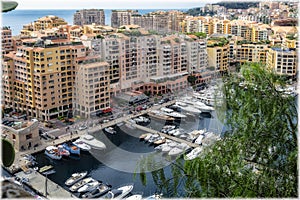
{"x": 218, "y": 54}
{"x": 283, "y": 61}
{"x": 92, "y": 87}
{"x": 7, "y": 42}
{"x": 251, "y": 53}
{"x": 197, "y": 55}
{"x": 39, "y": 77}
{"x": 121, "y": 17}
{"x": 89, "y": 16}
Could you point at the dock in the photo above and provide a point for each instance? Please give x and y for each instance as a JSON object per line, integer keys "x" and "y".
{"x": 149, "y": 130}
{"x": 40, "y": 183}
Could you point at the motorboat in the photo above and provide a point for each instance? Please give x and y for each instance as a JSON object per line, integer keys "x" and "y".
{"x": 160, "y": 116}
{"x": 81, "y": 183}
{"x": 153, "y": 138}
{"x": 62, "y": 151}
{"x": 166, "y": 148}
{"x": 98, "y": 192}
{"x": 144, "y": 135}
{"x": 148, "y": 137}
{"x": 194, "y": 153}
{"x": 199, "y": 139}
{"x": 119, "y": 193}
{"x": 72, "y": 148}
{"x": 161, "y": 140}
{"x": 172, "y": 144}
{"x": 153, "y": 197}
{"x": 168, "y": 128}
{"x": 90, "y": 186}
{"x": 94, "y": 143}
{"x": 187, "y": 108}
{"x": 175, "y": 132}
{"x": 141, "y": 119}
{"x": 175, "y": 151}
{"x": 160, "y": 147}
{"x": 52, "y": 152}
{"x": 75, "y": 178}
{"x": 83, "y": 146}
{"x": 110, "y": 130}
{"x": 136, "y": 196}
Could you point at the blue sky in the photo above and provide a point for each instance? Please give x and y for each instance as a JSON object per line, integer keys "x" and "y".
{"x": 110, "y": 4}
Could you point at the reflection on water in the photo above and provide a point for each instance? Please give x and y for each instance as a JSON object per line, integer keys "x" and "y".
{"x": 116, "y": 165}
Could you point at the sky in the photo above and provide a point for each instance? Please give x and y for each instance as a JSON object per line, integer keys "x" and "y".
{"x": 110, "y": 4}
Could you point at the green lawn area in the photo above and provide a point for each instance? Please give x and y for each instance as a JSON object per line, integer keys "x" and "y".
{"x": 8, "y": 5}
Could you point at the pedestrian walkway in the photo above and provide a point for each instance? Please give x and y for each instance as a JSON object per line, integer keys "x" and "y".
{"x": 42, "y": 184}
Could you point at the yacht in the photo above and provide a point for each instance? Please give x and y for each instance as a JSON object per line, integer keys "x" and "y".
{"x": 199, "y": 139}
{"x": 136, "y": 196}
{"x": 72, "y": 148}
{"x": 94, "y": 143}
{"x": 148, "y": 137}
{"x": 174, "y": 114}
{"x": 90, "y": 186}
{"x": 83, "y": 146}
{"x": 160, "y": 115}
{"x": 153, "y": 138}
{"x": 193, "y": 154}
{"x": 75, "y": 178}
{"x": 154, "y": 197}
{"x": 188, "y": 108}
{"x": 81, "y": 183}
{"x": 143, "y": 136}
{"x": 160, "y": 147}
{"x": 141, "y": 119}
{"x": 175, "y": 151}
{"x": 98, "y": 192}
{"x": 119, "y": 193}
{"x": 62, "y": 151}
{"x": 166, "y": 148}
{"x": 110, "y": 130}
{"x": 52, "y": 152}
{"x": 160, "y": 140}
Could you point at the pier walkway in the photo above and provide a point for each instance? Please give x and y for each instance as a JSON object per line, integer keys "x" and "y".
{"x": 42, "y": 184}
{"x": 149, "y": 130}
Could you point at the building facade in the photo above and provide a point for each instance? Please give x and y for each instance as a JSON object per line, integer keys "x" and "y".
{"x": 89, "y": 16}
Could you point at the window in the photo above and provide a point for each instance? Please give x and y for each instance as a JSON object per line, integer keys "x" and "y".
{"x": 29, "y": 136}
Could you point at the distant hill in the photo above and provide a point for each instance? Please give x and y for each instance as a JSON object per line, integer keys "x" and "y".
{"x": 8, "y": 5}
{"x": 237, "y": 5}
{"x": 226, "y": 4}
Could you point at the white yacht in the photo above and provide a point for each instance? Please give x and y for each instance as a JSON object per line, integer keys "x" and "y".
{"x": 199, "y": 139}
{"x": 193, "y": 154}
{"x": 81, "y": 183}
{"x": 110, "y": 130}
{"x": 75, "y": 178}
{"x": 83, "y": 146}
{"x": 91, "y": 141}
{"x": 135, "y": 197}
{"x": 90, "y": 186}
{"x": 175, "y": 151}
{"x": 187, "y": 108}
{"x": 119, "y": 193}
{"x": 172, "y": 113}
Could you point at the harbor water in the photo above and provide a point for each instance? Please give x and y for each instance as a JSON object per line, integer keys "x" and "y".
{"x": 118, "y": 164}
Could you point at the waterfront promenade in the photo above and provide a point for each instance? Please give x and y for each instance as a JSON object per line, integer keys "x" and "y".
{"x": 42, "y": 184}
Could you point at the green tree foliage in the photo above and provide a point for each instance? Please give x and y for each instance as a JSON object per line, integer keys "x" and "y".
{"x": 8, "y": 153}
{"x": 257, "y": 156}
{"x": 191, "y": 79}
{"x": 8, "y": 5}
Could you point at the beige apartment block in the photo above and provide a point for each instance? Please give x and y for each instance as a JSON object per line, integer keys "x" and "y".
{"x": 39, "y": 77}
{"x": 251, "y": 53}
{"x": 7, "y": 42}
{"x": 46, "y": 22}
{"x": 121, "y": 17}
{"x": 283, "y": 61}
{"x": 89, "y": 16}
{"x": 218, "y": 58}
{"x": 23, "y": 135}
{"x": 92, "y": 87}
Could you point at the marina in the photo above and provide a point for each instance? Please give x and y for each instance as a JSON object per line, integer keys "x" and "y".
{"x": 59, "y": 171}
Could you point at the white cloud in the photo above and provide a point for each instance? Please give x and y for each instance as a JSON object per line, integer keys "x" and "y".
{"x": 110, "y": 4}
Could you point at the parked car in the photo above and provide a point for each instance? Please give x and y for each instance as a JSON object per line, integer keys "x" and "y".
{"x": 81, "y": 128}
